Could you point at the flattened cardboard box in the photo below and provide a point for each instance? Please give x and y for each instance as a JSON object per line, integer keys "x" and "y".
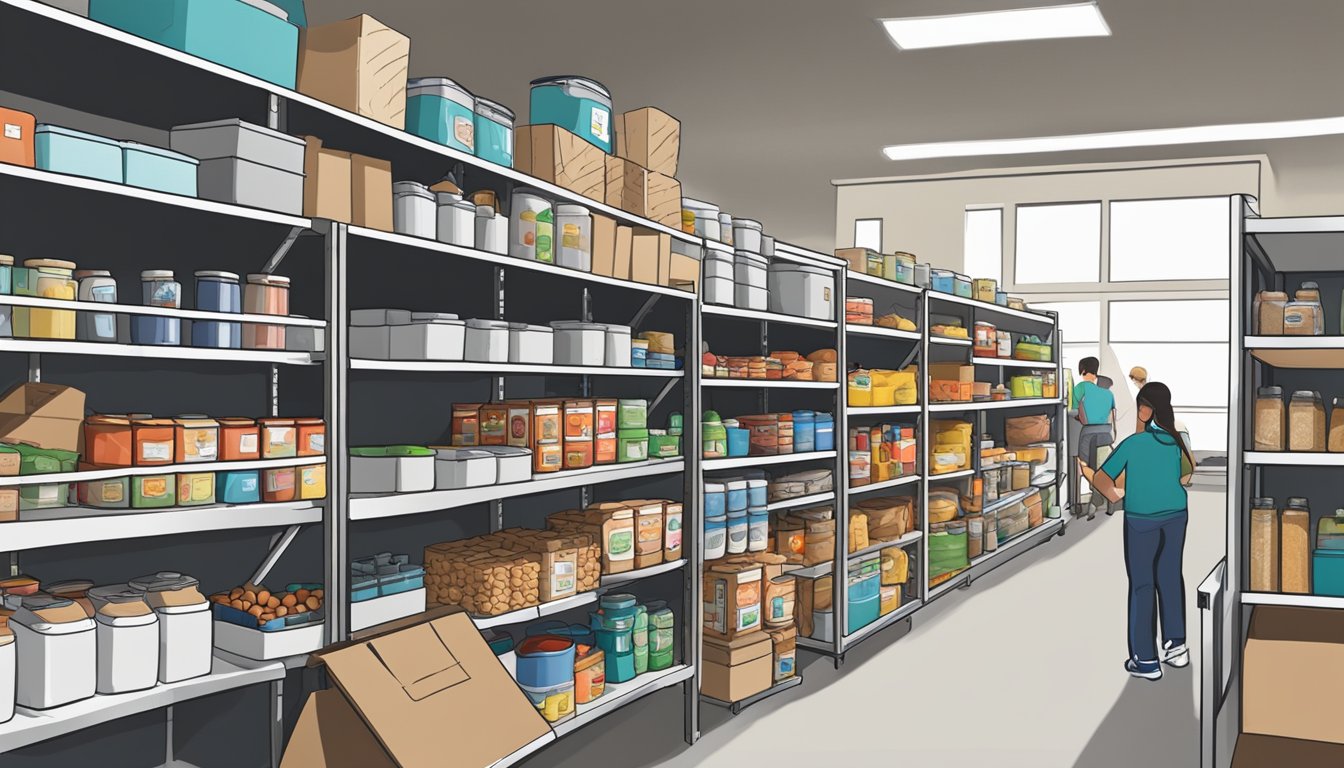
{"x": 48, "y": 416}
{"x": 360, "y": 65}
{"x": 431, "y": 695}
{"x": 627, "y": 186}
{"x": 553, "y": 154}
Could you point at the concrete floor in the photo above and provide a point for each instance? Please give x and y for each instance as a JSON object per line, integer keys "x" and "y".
{"x": 1023, "y": 669}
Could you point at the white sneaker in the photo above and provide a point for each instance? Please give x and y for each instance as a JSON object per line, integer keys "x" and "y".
{"x": 1147, "y": 670}
{"x": 1175, "y": 655}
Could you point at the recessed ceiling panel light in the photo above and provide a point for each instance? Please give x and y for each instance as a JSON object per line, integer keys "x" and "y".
{"x": 1157, "y": 137}
{"x": 1080, "y": 20}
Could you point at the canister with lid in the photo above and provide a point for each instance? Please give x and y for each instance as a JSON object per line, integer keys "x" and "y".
{"x": 487, "y": 341}
{"x": 1271, "y": 419}
{"x": 1306, "y": 422}
{"x": 128, "y": 643}
{"x": 414, "y": 210}
{"x": 45, "y": 279}
{"x": 265, "y": 294}
{"x": 97, "y": 286}
{"x": 986, "y": 340}
{"x": 494, "y": 132}
{"x": 186, "y": 629}
{"x": 158, "y": 288}
{"x": 456, "y": 220}
{"x": 442, "y": 111}
{"x": 492, "y": 230}
{"x": 579, "y": 343}
{"x": 574, "y": 237}
{"x": 923, "y": 275}
{"x": 739, "y": 528}
{"x": 747, "y": 235}
{"x": 726, "y": 228}
{"x": 217, "y": 292}
{"x": 531, "y": 226}
{"x": 57, "y": 652}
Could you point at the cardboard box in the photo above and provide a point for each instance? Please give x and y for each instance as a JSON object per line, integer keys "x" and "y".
{"x": 431, "y": 694}
{"x": 327, "y": 182}
{"x": 651, "y": 257}
{"x": 685, "y": 272}
{"x": 651, "y": 138}
{"x": 732, "y": 599}
{"x": 371, "y": 192}
{"x": 861, "y": 259}
{"x": 952, "y": 372}
{"x": 553, "y": 154}
{"x": 48, "y": 416}
{"x": 9, "y": 505}
{"x": 625, "y": 247}
{"x": 981, "y": 389}
{"x": 943, "y": 391}
{"x": 664, "y": 197}
{"x": 627, "y": 186}
{"x": 360, "y": 65}
{"x": 1293, "y": 668}
{"x": 604, "y": 245}
{"x": 733, "y": 670}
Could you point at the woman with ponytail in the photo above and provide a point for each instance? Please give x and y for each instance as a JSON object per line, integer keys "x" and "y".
{"x": 1157, "y": 465}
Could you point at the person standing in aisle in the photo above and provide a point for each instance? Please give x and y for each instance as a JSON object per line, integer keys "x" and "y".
{"x": 1096, "y": 411}
{"x": 1158, "y": 466}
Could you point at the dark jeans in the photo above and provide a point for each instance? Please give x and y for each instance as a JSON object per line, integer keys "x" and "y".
{"x": 1153, "y": 560}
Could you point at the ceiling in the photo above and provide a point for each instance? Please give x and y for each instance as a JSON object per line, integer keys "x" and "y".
{"x": 779, "y": 97}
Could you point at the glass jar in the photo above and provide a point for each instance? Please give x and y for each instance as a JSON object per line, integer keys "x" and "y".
{"x": 1306, "y": 422}
{"x": 1335, "y": 443}
{"x": 1295, "y": 539}
{"x": 1270, "y": 419}
{"x": 1049, "y": 387}
{"x": 158, "y": 289}
{"x": 97, "y": 286}
{"x": 1304, "y": 316}
{"x": 1264, "y": 545}
{"x": 1267, "y": 313}
{"x": 46, "y": 279}
{"x": 265, "y": 295}
{"x": 217, "y": 292}
{"x": 574, "y": 237}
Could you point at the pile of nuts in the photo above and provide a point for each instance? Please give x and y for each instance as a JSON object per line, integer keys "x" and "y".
{"x": 266, "y": 605}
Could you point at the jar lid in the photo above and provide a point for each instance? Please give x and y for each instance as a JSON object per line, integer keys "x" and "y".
{"x": 1270, "y": 392}
{"x": 569, "y": 209}
{"x": 1309, "y": 286}
{"x": 261, "y": 278}
{"x": 163, "y": 581}
{"x": 69, "y": 586}
{"x": 1306, "y": 394}
{"x": 6, "y": 259}
{"x": 52, "y": 263}
{"x": 485, "y": 211}
{"x": 83, "y": 273}
{"x": 216, "y": 275}
{"x": 157, "y": 274}
{"x": 1261, "y": 502}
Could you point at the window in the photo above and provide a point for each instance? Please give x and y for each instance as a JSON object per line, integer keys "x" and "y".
{"x": 1079, "y": 327}
{"x": 1207, "y": 429}
{"x": 1058, "y": 243}
{"x": 1170, "y": 239}
{"x": 868, "y": 234}
{"x": 1172, "y": 320}
{"x": 984, "y": 243}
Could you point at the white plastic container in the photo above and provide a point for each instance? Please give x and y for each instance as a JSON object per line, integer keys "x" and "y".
{"x": 718, "y": 264}
{"x": 186, "y": 626}
{"x": 57, "y": 652}
{"x": 725, "y": 228}
{"x": 719, "y": 290}
{"x": 371, "y": 332}
{"x": 276, "y": 644}
{"x": 531, "y": 224}
{"x": 618, "y": 346}
{"x": 457, "y": 220}
{"x": 580, "y": 343}
{"x": 128, "y": 644}
{"x": 747, "y": 235}
{"x": 487, "y": 341}
{"x": 8, "y": 669}
{"x": 574, "y": 237}
{"x": 492, "y": 230}
{"x": 391, "y": 474}
{"x": 464, "y": 468}
{"x": 803, "y": 290}
{"x": 750, "y": 277}
{"x": 244, "y": 163}
{"x": 767, "y": 246}
{"x": 531, "y": 344}
{"x": 414, "y": 210}
{"x": 706, "y": 217}
{"x": 429, "y": 336}
{"x": 515, "y": 464}
{"x": 746, "y": 297}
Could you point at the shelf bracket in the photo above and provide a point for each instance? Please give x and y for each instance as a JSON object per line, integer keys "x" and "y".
{"x": 910, "y": 358}
{"x": 278, "y": 548}
{"x": 644, "y": 310}
{"x": 667, "y": 389}
{"x": 280, "y": 253}
{"x": 34, "y": 367}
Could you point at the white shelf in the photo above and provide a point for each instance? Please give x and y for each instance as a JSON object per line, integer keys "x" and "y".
{"x": 1292, "y": 459}
{"x": 802, "y": 501}
{"x": 768, "y": 384}
{"x": 1323, "y": 352}
{"x": 1009, "y": 363}
{"x": 984, "y": 306}
{"x": 32, "y": 726}
{"x": 181, "y": 314}
{"x": 164, "y": 469}
{"x": 853, "y": 639}
{"x": 366, "y": 507}
{"x": 43, "y": 346}
{"x": 1295, "y": 225}
{"x": 712, "y": 465}
{"x": 616, "y": 579}
{"x": 884, "y": 410}
{"x": 534, "y": 612}
{"x": 880, "y": 282}
{"x": 1295, "y": 601}
{"x": 951, "y": 475}
{"x": 436, "y": 366}
{"x": 992, "y": 405}
{"x": 76, "y": 525}
{"x": 886, "y": 484}
{"x": 886, "y": 333}
{"x": 772, "y": 317}
{"x": 948, "y": 341}
{"x": 618, "y": 695}
{"x": 1010, "y": 547}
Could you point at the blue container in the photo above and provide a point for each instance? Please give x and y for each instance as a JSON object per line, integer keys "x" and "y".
{"x": 739, "y": 441}
{"x": 65, "y": 150}
{"x": 716, "y": 537}
{"x": 580, "y": 634}
{"x": 737, "y": 496}
{"x": 614, "y": 626}
{"x": 217, "y": 292}
{"x": 443, "y": 112}
{"x": 661, "y": 361}
{"x": 1001, "y": 298}
{"x": 716, "y": 499}
{"x": 362, "y": 589}
{"x": 158, "y": 289}
{"x": 944, "y": 280}
{"x": 1327, "y": 572}
{"x": 962, "y": 286}
{"x": 238, "y": 486}
{"x": 233, "y": 33}
{"x": 804, "y": 431}
{"x": 159, "y": 169}
{"x": 6, "y": 275}
{"x": 823, "y": 432}
{"x": 739, "y": 528}
{"x": 758, "y": 529}
{"x": 639, "y": 357}
{"x": 494, "y": 132}
{"x": 577, "y": 104}
{"x": 409, "y": 578}
{"x": 864, "y": 593}
{"x": 545, "y": 661}
{"x": 758, "y": 490}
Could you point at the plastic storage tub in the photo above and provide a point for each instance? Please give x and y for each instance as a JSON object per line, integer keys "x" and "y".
{"x": 757, "y": 492}
{"x": 428, "y": 336}
{"x": 580, "y": 343}
{"x": 244, "y": 164}
{"x": 573, "y": 237}
{"x": 442, "y": 111}
{"x": 464, "y": 468}
{"x": 824, "y": 432}
{"x": 457, "y": 220}
{"x": 494, "y": 132}
{"x": 218, "y": 292}
{"x": 962, "y": 286}
{"x": 371, "y": 332}
{"x": 799, "y": 289}
{"x": 57, "y": 652}
{"x": 737, "y": 496}
{"x": 128, "y": 644}
{"x": 716, "y": 536}
{"x": 531, "y": 344}
{"x": 747, "y": 235}
{"x": 487, "y": 341}
{"x": 943, "y": 280}
{"x": 577, "y": 104}
{"x": 758, "y": 529}
{"x": 238, "y": 486}
{"x": 738, "y": 530}
{"x": 750, "y": 280}
{"x": 514, "y": 464}
{"x": 65, "y": 150}
{"x": 531, "y": 226}
{"x": 618, "y": 352}
{"x": 159, "y": 169}
{"x": 415, "y": 210}
{"x": 391, "y": 469}
{"x": 718, "y": 277}
{"x": 706, "y": 217}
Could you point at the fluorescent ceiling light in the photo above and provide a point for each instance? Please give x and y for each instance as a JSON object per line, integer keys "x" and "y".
{"x": 1081, "y": 20}
{"x": 1157, "y": 137}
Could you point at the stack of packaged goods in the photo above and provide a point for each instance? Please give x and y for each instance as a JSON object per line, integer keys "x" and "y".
{"x": 949, "y": 547}
{"x": 737, "y": 516}
{"x": 806, "y": 537}
{"x": 951, "y": 449}
{"x": 880, "y": 453}
{"x": 897, "y": 267}
{"x": 777, "y": 366}
{"x": 883, "y": 388}
{"x": 769, "y": 434}
{"x": 743, "y": 596}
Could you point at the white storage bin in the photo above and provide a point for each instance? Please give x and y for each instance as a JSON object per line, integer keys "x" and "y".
{"x": 767, "y": 246}
{"x": 746, "y": 297}
{"x": 414, "y": 210}
{"x": 580, "y": 343}
{"x": 515, "y": 464}
{"x": 391, "y": 474}
{"x": 371, "y": 334}
{"x": 706, "y": 218}
{"x": 799, "y": 289}
{"x": 750, "y": 269}
{"x": 381, "y": 610}
{"x": 244, "y": 163}
{"x": 487, "y": 341}
{"x": 718, "y": 264}
{"x": 264, "y": 646}
{"x": 186, "y": 627}
{"x": 492, "y": 230}
{"x": 618, "y": 346}
{"x": 429, "y": 336}
{"x": 457, "y": 220}
{"x": 464, "y": 468}
{"x": 719, "y": 290}
{"x": 531, "y": 344}
{"x": 747, "y": 235}
{"x": 301, "y": 339}
{"x": 574, "y": 237}
{"x": 57, "y": 654}
{"x": 8, "y": 669}
{"x": 128, "y": 644}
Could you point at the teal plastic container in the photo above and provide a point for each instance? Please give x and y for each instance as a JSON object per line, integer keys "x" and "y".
{"x": 494, "y": 132}
{"x": 577, "y": 104}
{"x": 256, "y": 38}
{"x": 443, "y": 112}
{"x": 240, "y": 486}
{"x": 864, "y": 593}
{"x": 65, "y": 150}
{"x": 1327, "y": 572}
{"x": 160, "y": 169}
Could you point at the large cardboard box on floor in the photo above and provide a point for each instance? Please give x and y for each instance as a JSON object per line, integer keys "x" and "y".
{"x": 627, "y": 186}
{"x": 1293, "y": 671}
{"x": 651, "y": 257}
{"x": 371, "y": 193}
{"x": 327, "y": 188}
{"x": 651, "y": 138}
{"x": 553, "y": 154}
{"x": 428, "y": 695}
{"x": 733, "y": 670}
{"x": 49, "y": 416}
{"x": 664, "y": 200}
{"x": 359, "y": 64}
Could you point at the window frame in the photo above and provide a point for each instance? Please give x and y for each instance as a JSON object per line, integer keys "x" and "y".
{"x": 1192, "y": 282}
{"x": 880, "y": 233}
{"x": 1102, "y": 234}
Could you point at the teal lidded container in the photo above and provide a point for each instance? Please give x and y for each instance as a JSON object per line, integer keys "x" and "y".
{"x": 494, "y": 132}
{"x": 442, "y": 111}
{"x": 577, "y": 104}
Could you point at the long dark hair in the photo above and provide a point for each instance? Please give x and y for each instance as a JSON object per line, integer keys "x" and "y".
{"x": 1157, "y": 396}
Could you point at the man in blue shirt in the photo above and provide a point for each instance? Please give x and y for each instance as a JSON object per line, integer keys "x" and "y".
{"x": 1096, "y": 411}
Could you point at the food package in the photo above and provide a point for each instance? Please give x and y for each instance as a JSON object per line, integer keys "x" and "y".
{"x": 482, "y": 575}
{"x": 858, "y": 531}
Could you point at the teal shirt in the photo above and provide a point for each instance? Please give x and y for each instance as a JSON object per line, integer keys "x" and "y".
{"x": 1097, "y": 402}
{"x": 1151, "y": 461}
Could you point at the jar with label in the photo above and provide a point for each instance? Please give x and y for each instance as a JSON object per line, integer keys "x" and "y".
{"x": 1049, "y": 387}
{"x": 1005, "y": 344}
{"x": 986, "y": 340}
{"x": 97, "y": 286}
{"x": 45, "y": 279}
{"x": 265, "y": 295}
{"x": 1335, "y": 444}
{"x": 531, "y": 226}
{"x": 158, "y": 289}
{"x": 1270, "y": 419}
{"x": 1306, "y": 422}
{"x": 1267, "y": 313}
{"x": 217, "y": 292}
{"x": 1303, "y": 316}
{"x": 574, "y": 243}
